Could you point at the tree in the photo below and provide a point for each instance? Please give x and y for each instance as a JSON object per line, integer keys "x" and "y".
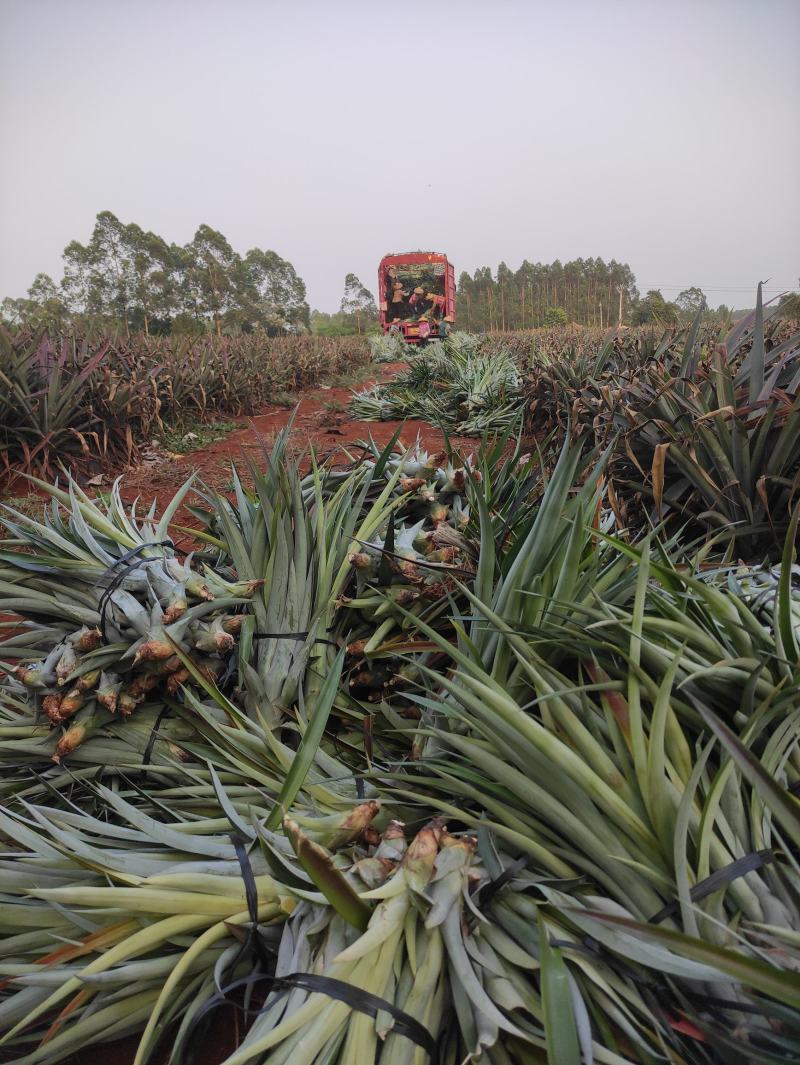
{"x": 112, "y": 256}
{"x": 590, "y": 291}
{"x": 654, "y": 309}
{"x": 44, "y": 307}
{"x": 210, "y": 262}
{"x": 789, "y": 305}
{"x": 690, "y": 301}
{"x": 152, "y": 267}
{"x": 98, "y": 277}
{"x": 11, "y": 311}
{"x": 49, "y": 311}
{"x": 270, "y": 295}
{"x": 555, "y": 316}
{"x": 724, "y": 316}
{"x": 358, "y": 303}
{"x": 464, "y": 297}
{"x": 82, "y": 281}
{"x": 330, "y": 325}
{"x": 128, "y": 277}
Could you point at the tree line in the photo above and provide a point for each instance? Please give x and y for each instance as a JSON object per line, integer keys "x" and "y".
{"x": 131, "y": 279}
{"x": 588, "y": 292}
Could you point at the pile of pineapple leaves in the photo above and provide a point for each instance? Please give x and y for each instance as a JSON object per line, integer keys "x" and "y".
{"x": 452, "y": 383}
{"x": 428, "y": 758}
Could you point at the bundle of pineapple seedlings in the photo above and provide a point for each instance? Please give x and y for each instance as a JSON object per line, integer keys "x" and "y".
{"x": 349, "y": 558}
{"x": 107, "y": 616}
{"x": 103, "y": 611}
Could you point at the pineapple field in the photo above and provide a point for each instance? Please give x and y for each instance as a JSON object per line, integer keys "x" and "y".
{"x": 83, "y": 398}
{"x": 462, "y": 727}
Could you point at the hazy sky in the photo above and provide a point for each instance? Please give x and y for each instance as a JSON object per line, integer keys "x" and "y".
{"x": 664, "y": 134}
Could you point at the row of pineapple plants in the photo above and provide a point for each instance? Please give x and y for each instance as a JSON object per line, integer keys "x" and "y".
{"x": 704, "y": 426}
{"x": 76, "y": 399}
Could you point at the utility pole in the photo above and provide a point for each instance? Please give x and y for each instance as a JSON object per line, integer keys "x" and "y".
{"x": 620, "y": 289}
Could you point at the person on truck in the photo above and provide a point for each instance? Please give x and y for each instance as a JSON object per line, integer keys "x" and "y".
{"x": 437, "y": 303}
{"x": 398, "y": 296}
{"x": 416, "y": 297}
{"x": 445, "y": 326}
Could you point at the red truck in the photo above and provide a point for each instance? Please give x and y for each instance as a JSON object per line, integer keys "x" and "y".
{"x": 417, "y": 293}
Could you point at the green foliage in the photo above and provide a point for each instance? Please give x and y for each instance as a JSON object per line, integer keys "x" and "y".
{"x": 71, "y": 399}
{"x": 340, "y": 325}
{"x": 44, "y": 307}
{"x": 554, "y": 316}
{"x": 451, "y": 383}
{"x": 608, "y": 725}
{"x": 705, "y": 425}
{"x": 357, "y": 313}
{"x": 495, "y": 755}
{"x": 271, "y": 295}
{"x": 388, "y": 347}
{"x": 653, "y": 309}
{"x": 789, "y": 306}
{"x": 358, "y": 305}
{"x": 690, "y": 301}
{"x": 47, "y": 408}
{"x": 590, "y": 291}
{"x": 130, "y": 280}
{"x": 192, "y": 436}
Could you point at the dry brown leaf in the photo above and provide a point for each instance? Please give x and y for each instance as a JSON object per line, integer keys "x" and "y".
{"x": 659, "y": 460}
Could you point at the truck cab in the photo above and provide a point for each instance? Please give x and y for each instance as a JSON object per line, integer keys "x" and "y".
{"x": 417, "y": 295}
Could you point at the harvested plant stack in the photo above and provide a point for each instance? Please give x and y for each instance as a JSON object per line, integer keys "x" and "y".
{"x": 449, "y": 383}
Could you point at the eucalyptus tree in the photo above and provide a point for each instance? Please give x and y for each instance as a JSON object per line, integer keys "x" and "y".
{"x": 690, "y": 300}
{"x": 130, "y": 278}
{"x": 210, "y": 262}
{"x": 153, "y": 268}
{"x": 82, "y": 282}
{"x": 269, "y": 294}
{"x": 42, "y": 308}
{"x": 358, "y": 303}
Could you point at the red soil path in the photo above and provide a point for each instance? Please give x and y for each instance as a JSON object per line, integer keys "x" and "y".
{"x": 321, "y": 421}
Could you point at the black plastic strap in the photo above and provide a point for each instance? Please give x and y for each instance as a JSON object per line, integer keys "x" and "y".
{"x": 148, "y": 751}
{"x": 120, "y": 577}
{"x": 741, "y": 867}
{"x": 488, "y": 892}
{"x": 291, "y": 636}
{"x": 253, "y": 941}
{"x": 355, "y": 997}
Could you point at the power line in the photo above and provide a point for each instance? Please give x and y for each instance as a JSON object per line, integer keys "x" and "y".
{"x": 719, "y": 288}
